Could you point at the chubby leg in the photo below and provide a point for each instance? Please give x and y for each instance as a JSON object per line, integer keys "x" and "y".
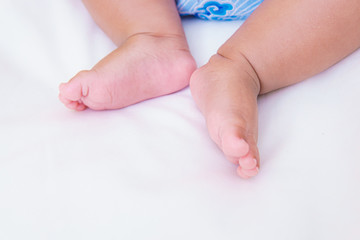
{"x": 283, "y": 42}
{"x": 152, "y": 58}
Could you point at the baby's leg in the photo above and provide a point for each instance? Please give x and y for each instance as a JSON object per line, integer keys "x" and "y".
{"x": 282, "y": 43}
{"x": 152, "y": 58}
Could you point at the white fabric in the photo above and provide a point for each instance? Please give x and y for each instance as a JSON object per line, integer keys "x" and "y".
{"x": 150, "y": 171}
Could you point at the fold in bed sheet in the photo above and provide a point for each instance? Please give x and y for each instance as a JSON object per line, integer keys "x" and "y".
{"x": 150, "y": 171}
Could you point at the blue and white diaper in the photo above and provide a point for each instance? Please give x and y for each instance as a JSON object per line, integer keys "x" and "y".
{"x": 218, "y": 9}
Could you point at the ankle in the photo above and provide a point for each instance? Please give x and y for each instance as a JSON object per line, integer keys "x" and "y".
{"x": 173, "y": 41}
{"x": 240, "y": 65}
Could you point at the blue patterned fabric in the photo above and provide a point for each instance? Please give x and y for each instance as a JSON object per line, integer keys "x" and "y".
{"x": 218, "y": 9}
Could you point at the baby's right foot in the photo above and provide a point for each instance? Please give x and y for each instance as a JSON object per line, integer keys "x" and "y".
{"x": 226, "y": 93}
{"x": 144, "y": 67}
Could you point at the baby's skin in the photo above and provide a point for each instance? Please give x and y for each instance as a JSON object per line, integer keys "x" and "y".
{"x": 274, "y": 48}
{"x": 138, "y": 70}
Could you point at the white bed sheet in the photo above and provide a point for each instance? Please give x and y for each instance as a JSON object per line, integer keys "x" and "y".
{"x": 150, "y": 171}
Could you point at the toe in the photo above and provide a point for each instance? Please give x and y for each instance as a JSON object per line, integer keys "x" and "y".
{"x": 80, "y": 107}
{"x": 76, "y": 106}
{"x": 76, "y": 88}
{"x": 248, "y": 162}
{"x": 233, "y": 145}
{"x": 231, "y": 137}
{"x": 234, "y": 160}
{"x": 73, "y": 92}
{"x": 251, "y": 172}
{"x": 72, "y": 105}
{"x": 64, "y": 100}
{"x": 247, "y": 173}
{"x": 242, "y": 174}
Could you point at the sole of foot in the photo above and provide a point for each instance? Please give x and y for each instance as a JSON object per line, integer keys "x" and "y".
{"x": 143, "y": 67}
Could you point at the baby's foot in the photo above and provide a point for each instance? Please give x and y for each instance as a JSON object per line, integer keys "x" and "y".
{"x": 226, "y": 93}
{"x": 145, "y": 66}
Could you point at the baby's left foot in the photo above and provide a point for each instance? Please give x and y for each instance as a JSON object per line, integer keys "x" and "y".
{"x": 226, "y": 93}
{"x": 143, "y": 67}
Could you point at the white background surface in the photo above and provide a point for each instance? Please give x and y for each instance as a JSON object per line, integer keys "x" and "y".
{"x": 150, "y": 171}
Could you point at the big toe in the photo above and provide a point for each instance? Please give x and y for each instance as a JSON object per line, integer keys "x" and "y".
{"x": 233, "y": 144}
{"x": 72, "y": 93}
